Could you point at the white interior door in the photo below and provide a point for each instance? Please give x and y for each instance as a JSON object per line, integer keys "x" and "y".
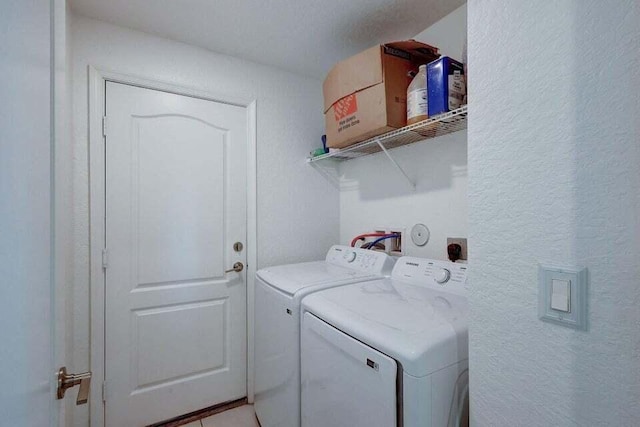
{"x": 27, "y": 392}
{"x": 175, "y": 206}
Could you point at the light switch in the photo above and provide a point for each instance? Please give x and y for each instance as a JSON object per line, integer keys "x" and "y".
{"x": 561, "y": 295}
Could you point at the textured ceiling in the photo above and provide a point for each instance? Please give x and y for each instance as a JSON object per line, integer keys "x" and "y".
{"x": 302, "y": 36}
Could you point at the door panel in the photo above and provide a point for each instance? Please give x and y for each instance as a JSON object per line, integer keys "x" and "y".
{"x": 180, "y": 199}
{"x": 176, "y": 203}
{"x": 190, "y": 354}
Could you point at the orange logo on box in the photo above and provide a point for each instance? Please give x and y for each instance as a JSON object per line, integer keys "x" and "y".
{"x": 345, "y": 106}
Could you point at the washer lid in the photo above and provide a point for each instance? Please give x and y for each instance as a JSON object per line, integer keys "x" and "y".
{"x": 341, "y": 265}
{"x": 293, "y": 277}
{"x": 422, "y": 327}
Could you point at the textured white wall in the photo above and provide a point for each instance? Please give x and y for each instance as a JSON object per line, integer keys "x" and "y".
{"x": 374, "y": 193}
{"x": 297, "y": 207}
{"x": 554, "y": 177}
{"x": 26, "y": 227}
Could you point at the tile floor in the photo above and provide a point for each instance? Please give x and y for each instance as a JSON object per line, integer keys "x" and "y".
{"x": 242, "y": 416}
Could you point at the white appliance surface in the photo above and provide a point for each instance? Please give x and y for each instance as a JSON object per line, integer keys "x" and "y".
{"x": 342, "y": 264}
{"x": 279, "y": 291}
{"x": 348, "y": 381}
{"x": 411, "y": 317}
{"x": 418, "y": 317}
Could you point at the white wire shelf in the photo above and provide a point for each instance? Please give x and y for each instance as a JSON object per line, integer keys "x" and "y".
{"x": 443, "y": 124}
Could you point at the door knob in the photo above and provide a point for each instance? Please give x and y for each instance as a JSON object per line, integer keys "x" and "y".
{"x": 66, "y": 381}
{"x": 237, "y": 267}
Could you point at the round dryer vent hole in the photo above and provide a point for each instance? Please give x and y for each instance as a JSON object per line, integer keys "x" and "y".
{"x": 420, "y": 234}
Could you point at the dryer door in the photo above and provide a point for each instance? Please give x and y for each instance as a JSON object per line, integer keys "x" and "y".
{"x": 344, "y": 382}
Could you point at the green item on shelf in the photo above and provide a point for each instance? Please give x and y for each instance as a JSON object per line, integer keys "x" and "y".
{"x": 317, "y": 152}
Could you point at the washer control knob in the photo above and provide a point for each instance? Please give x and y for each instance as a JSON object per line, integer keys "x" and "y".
{"x": 350, "y": 256}
{"x": 442, "y": 276}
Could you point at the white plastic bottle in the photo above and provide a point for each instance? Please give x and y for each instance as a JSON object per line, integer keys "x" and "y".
{"x": 417, "y": 107}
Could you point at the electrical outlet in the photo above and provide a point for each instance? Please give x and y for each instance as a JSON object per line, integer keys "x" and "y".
{"x": 462, "y": 241}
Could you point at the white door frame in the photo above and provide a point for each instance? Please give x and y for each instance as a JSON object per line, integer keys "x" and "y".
{"x": 97, "y": 79}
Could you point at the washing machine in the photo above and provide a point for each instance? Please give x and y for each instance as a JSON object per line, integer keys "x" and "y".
{"x": 387, "y": 353}
{"x": 279, "y": 291}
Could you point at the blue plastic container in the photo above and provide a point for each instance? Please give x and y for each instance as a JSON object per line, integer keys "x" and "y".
{"x": 446, "y": 86}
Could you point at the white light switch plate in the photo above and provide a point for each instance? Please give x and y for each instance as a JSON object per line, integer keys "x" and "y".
{"x": 562, "y": 296}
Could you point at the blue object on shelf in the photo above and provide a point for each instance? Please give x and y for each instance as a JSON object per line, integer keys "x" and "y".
{"x": 446, "y": 86}
{"x": 324, "y": 143}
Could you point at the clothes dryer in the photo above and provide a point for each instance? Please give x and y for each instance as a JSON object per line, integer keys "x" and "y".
{"x": 387, "y": 353}
{"x": 279, "y": 291}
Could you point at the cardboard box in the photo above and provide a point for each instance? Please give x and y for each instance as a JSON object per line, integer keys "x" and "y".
{"x": 366, "y": 95}
{"x": 446, "y": 86}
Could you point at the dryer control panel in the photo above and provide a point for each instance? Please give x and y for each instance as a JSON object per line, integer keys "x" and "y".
{"x": 443, "y": 275}
{"x": 363, "y": 260}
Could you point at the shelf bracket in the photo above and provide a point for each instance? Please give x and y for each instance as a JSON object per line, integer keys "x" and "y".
{"x": 329, "y": 170}
{"x": 385, "y": 151}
